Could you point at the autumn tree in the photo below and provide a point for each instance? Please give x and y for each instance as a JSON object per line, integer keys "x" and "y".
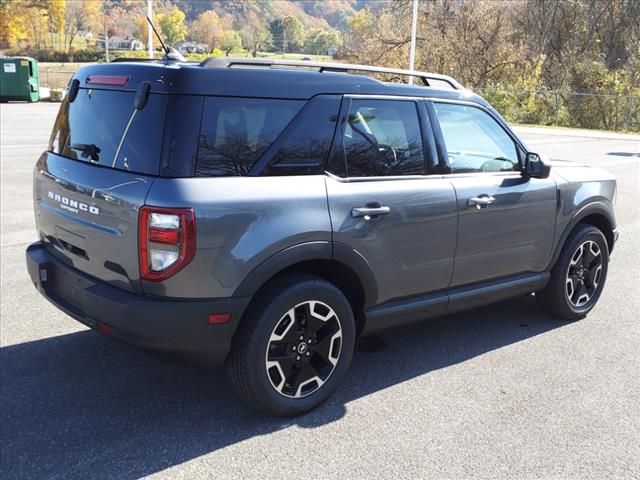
{"x": 81, "y": 16}
{"x": 230, "y": 41}
{"x": 469, "y": 40}
{"x": 35, "y": 21}
{"x": 255, "y": 35}
{"x": 172, "y": 25}
{"x": 207, "y": 28}
{"x": 119, "y": 20}
{"x": 13, "y": 22}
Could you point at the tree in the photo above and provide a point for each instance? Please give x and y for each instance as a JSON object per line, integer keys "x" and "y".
{"x": 287, "y": 34}
{"x": 13, "y": 23}
{"x": 118, "y": 20}
{"x": 318, "y": 41}
{"x": 230, "y": 41}
{"x": 80, "y": 16}
{"x": 172, "y": 25}
{"x": 207, "y": 28}
{"x": 34, "y": 21}
{"x": 255, "y": 35}
{"x": 56, "y": 11}
{"x": 295, "y": 33}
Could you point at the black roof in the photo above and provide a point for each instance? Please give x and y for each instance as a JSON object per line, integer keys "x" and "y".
{"x": 250, "y": 78}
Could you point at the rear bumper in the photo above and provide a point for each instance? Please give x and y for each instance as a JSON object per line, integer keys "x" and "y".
{"x": 171, "y": 326}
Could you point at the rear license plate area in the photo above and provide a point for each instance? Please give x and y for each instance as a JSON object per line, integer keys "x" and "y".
{"x": 67, "y": 289}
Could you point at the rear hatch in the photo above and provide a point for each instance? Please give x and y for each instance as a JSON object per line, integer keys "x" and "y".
{"x": 103, "y": 157}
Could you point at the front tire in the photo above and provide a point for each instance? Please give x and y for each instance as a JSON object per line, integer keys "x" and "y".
{"x": 293, "y": 347}
{"x": 578, "y": 277}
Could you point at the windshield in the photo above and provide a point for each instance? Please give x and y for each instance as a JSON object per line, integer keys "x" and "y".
{"x": 91, "y": 128}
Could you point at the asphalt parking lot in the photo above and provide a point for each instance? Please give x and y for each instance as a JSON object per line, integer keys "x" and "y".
{"x": 498, "y": 392}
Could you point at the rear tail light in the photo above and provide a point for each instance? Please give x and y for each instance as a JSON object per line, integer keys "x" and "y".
{"x": 167, "y": 241}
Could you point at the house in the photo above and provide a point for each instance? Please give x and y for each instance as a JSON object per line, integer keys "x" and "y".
{"x": 186, "y": 47}
{"x": 331, "y": 52}
{"x": 121, "y": 43}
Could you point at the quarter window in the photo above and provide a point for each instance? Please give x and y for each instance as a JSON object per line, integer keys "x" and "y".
{"x": 236, "y": 132}
{"x": 475, "y": 141}
{"x": 306, "y": 143}
{"x": 382, "y": 138}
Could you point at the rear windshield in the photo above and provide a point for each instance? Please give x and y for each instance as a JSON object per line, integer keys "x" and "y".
{"x": 237, "y": 131}
{"x": 91, "y": 128}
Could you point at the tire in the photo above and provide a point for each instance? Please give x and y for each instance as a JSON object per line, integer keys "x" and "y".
{"x": 578, "y": 277}
{"x": 293, "y": 347}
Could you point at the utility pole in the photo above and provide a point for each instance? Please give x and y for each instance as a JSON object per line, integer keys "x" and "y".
{"x": 149, "y": 32}
{"x": 414, "y": 27}
{"x": 284, "y": 40}
{"x": 106, "y": 41}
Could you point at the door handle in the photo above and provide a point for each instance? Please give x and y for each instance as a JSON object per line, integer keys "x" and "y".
{"x": 369, "y": 212}
{"x": 481, "y": 201}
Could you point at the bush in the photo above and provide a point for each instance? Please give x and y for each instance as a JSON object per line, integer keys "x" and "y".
{"x": 57, "y": 56}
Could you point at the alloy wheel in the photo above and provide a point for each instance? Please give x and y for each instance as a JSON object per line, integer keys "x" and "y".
{"x": 583, "y": 274}
{"x": 303, "y": 349}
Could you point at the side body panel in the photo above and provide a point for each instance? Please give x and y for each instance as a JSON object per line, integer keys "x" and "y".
{"x": 240, "y": 222}
{"x": 410, "y": 249}
{"x": 582, "y": 191}
{"x": 513, "y": 235}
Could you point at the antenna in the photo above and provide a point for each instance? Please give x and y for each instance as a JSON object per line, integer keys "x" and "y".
{"x": 170, "y": 53}
{"x": 164, "y": 47}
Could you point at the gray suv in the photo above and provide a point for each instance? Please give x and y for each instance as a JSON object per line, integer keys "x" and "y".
{"x": 266, "y": 214}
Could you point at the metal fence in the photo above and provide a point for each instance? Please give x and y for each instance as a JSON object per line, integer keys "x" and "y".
{"x": 54, "y": 79}
{"x": 567, "y": 109}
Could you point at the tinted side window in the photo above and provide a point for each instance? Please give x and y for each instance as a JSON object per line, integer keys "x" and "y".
{"x": 381, "y": 138}
{"x": 475, "y": 141}
{"x": 235, "y": 132}
{"x": 307, "y": 142}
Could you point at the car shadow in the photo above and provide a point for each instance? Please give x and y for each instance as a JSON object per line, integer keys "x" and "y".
{"x": 82, "y": 405}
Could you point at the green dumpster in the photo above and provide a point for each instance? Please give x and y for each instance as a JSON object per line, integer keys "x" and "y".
{"x": 19, "y": 79}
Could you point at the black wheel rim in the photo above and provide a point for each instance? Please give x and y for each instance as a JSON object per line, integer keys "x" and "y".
{"x": 303, "y": 349}
{"x": 584, "y": 274}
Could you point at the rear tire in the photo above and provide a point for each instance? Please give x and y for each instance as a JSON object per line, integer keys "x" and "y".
{"x": 579, "y": 275}
{"x": 293, "y": 347}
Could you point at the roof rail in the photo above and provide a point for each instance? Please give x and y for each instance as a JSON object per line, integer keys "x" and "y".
{"x": 132, "y": 59}
{"x": 228, "y": 62}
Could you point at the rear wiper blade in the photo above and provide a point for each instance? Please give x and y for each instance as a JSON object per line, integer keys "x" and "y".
{"x": 139, "y": 102}
{"x": 90, "y": 150}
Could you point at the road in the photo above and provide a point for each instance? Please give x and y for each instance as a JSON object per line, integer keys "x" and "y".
{"x": 498, "y": 392}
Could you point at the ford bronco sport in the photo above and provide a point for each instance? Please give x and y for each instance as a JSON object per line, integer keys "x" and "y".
{"x": 265, "y": 214}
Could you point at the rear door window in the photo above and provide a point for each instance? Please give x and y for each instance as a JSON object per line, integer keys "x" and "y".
{"x": 236, "y": 132}
{"x": 382, "y": 138}
{"x": 91, "y": 128}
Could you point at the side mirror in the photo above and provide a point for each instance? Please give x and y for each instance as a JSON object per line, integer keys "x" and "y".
{"x": 535, "y": 167}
